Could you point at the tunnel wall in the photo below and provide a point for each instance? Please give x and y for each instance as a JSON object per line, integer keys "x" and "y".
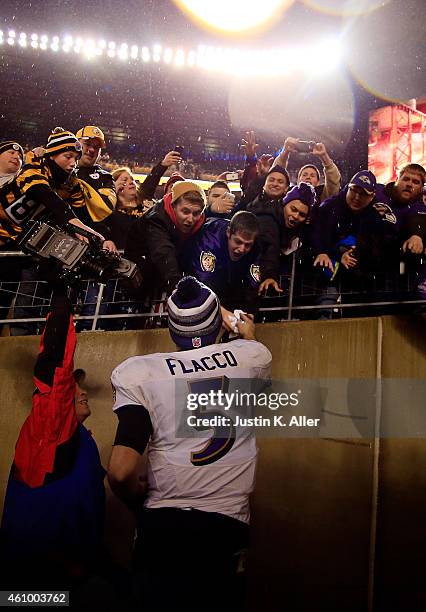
{"x": 330, "y": 517}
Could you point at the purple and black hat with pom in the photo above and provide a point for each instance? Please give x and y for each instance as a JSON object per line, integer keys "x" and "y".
{"x": 303, "y": 192}
{"x": 194, "y": 311}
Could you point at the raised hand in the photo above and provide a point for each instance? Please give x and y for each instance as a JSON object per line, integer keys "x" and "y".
{"x": 249, "y": 144}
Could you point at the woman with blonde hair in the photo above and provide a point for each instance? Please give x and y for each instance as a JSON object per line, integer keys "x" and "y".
{"x": 129, "y": 206}
{"x": 134, "y": 200}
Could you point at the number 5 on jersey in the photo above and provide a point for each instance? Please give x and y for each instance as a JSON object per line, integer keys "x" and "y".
{"x": 223, "y": 436}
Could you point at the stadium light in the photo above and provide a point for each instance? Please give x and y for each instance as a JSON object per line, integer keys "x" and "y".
{"x": 180, "y": 58}
{"x": 233, "y": 17}
{"x": 156, "y": 53}
{"x": 315, "y": 60}
{"x": 89, "y": 49}
{"x": 191, "y": 59}
{"x": 168, "y": 56}
{"x": 146, "y": 56}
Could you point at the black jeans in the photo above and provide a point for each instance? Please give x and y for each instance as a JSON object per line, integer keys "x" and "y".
{"x": 190, "y": 559}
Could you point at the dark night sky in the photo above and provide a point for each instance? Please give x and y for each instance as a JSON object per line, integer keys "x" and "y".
{"x": 385, "y": 49}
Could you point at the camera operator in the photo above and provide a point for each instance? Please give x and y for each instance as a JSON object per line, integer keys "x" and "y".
{"x": 47, "y": 179}
{"x": 47, "y": 186}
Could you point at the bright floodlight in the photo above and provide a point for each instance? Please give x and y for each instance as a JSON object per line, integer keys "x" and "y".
{"x": 192, "y": 58}
{"x": 233, "y": 17}
{"x": 179, "y": 58}
{"x": 314, "y": 61}
{"x": 145, "y": 54}
{"x": 324, "y": 57}
{"x": 89, "y": 49}
{"x": 168, "y": 56}
{"x": 156, "y": 53}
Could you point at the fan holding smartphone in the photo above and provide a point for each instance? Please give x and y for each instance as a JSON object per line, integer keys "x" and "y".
{"x": 179, "y": 149}
{"x": 326, "y": 186}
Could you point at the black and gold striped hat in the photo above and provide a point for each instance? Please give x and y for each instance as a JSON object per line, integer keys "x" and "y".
{"x": 61, "y": 140}
{"x": 6, "y": 145}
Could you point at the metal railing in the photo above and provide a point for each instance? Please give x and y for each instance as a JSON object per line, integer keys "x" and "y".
{"x": 25, "y": 302}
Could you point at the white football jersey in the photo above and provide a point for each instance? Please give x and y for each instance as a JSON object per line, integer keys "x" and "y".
{"x": 189, "y": 467}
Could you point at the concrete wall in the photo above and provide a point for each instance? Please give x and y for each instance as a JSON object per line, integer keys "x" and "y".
{"x": 316, "y": 500}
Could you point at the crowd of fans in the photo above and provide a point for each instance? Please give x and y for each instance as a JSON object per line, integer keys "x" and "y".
{"x": 347, "y": 238}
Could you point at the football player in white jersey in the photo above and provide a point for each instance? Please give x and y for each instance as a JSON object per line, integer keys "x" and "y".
{"x": 193, "y": 527}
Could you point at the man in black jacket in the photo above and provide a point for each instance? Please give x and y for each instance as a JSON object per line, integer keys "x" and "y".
{"x": 356, "y": 240}
{"x": 280, "y": 224}
{"x": 157, "y": 241}
{"x": 275, "y": 186}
